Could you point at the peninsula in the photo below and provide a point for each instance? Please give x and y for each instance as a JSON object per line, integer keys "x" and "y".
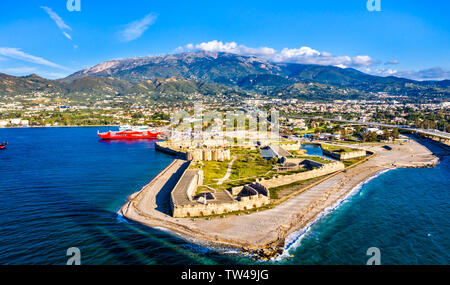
{"x": 263, "y": 231}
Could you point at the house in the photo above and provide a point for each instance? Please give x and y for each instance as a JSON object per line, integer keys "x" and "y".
{"x": 374, "y": 130}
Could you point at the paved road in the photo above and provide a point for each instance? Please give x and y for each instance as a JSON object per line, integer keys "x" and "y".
{"x": 430, "y": 132}
{"x": 161, "y": 187}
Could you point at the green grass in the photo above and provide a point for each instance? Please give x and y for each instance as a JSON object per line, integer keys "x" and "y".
{"x": 280, "y": 191}
{"x": 314, "y": 158}
{"x": 249, "y": 163}
{"x": 248, "y": 166}
{"x": 337, "y": 149}
{"x": 297, "y": 152}
{"x": 350, "y": 162}
{"x": 213, "y": 170}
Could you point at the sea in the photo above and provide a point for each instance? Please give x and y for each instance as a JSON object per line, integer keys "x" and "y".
{"x": 61, "y": 188}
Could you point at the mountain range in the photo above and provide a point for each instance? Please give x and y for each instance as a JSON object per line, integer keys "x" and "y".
{"x": 211, "y": 73}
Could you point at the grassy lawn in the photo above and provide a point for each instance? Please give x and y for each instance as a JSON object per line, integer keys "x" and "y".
{"x": 337, "y": 149}
{"x": 249, "y": 163}
{"x": 314, "y": 158}
{"x": 281, "y": 191}
{"x": 213, "y": 170}
{"x": 248, "y": 166}
{"x": 350, "y": 162}
{"x": 297, "y": 152}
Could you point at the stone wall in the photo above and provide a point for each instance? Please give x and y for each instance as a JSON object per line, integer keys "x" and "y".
{"x": 164, "y": 147}
{"x": 206, "y": 154}
{"x": 344, "y": 155}
{"x": 256, "y": 196}
{"x": 198, "y": 154}
{"x": 199, "y": 210}
{"x": 281, "y": 180}
{"x": 290, "y": 146}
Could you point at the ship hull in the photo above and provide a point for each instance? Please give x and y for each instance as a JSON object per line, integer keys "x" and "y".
{"x": 128, "y": 135}
{"x": 3, "y": 145}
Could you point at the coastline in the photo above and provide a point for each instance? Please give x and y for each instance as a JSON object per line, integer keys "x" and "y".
{"x": 75, "y": 126}
{"x": 266, "y": 233}
{"x": 294, "y": 239}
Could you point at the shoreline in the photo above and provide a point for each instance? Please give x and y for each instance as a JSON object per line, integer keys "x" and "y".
{"x": 294, "y": 239}
{"x": 266, "y": 233}
{"x": 44, "y": 127}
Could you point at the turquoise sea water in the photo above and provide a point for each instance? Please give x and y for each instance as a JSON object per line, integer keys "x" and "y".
{"x": 62, "y": 187}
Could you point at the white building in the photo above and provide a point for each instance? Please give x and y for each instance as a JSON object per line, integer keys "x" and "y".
{"x": 15, "y": 121}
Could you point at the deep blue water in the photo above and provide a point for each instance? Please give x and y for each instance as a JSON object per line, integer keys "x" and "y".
{"x": 62, "y": 187}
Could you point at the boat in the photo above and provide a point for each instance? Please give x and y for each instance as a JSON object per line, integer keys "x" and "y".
{"x": 133, "y": 128}
{"x": 3, "y": 145}
{"x": 128, "y": 135}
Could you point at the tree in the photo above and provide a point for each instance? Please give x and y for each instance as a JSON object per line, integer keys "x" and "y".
{"x": 373, "y": 137}
{"x": 395, "y": 134}
{"x": 386, "y": 135}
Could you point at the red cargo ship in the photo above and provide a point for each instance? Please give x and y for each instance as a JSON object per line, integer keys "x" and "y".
{"x": 128, "y": 135}
{"x": 3, "y": 145}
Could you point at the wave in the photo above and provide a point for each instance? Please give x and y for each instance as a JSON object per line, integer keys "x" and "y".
{"x": 294, "y": 239}
{"x": 121, "y": 218}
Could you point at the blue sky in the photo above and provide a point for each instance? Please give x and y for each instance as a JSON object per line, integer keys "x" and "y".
{"x": 406, "y": 38}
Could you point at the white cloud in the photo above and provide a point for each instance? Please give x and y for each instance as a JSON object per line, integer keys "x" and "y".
{"x": 58, "y": 21}
{"x": 18, "y": 70}
{"x": 135, "y": 29}
{"x": 392, "y": 61}
{"x": 435, "y": 73}
{"x": 67, "y": 35}
{"x": 305, "y": 55}
{"x": 16, "y": 53}
{"x": 26, "y": 70}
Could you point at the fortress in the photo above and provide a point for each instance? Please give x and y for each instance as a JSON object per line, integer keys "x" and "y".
{"x": 195, "y": 154}
{"x": 183, "y": 202}
{"x": 345, "y": 155}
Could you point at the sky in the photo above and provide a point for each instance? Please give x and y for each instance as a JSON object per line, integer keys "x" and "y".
{"x": 53, "y": 39}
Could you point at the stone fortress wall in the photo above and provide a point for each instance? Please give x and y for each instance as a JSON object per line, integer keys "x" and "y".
{"x": 241, "y": 198}
{"x": 206, "y": 154}
{"x": 345, "y": 155}
{"x": 183, "y": 204}
{"x": 322, "y": 169}
{"x": 196, "y": 154}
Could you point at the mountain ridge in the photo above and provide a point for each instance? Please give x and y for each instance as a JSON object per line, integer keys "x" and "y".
{"x": 218, "y": 73}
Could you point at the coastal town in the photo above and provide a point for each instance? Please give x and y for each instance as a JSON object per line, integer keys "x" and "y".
{"x": 419, "y": 115}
